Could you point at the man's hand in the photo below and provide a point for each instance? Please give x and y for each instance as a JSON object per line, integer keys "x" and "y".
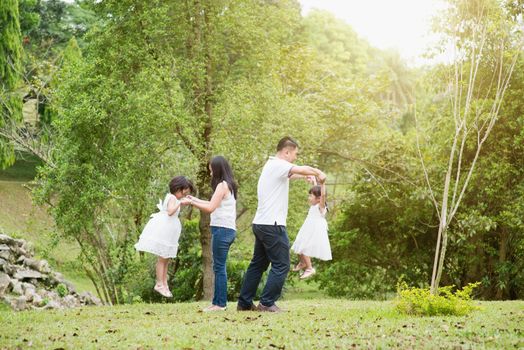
{"x": 311, "y": 179}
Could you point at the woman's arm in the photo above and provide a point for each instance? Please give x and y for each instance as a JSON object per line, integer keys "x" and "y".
{"x": 172, "y": 205}
{"x": 210, "y": 206}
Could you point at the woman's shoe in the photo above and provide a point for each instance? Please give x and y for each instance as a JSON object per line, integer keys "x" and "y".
{"x": 214, "y": 308}
{"x": 308, "y": 273}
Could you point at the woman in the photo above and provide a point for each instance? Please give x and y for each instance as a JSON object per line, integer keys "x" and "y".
{"x": 222, "y": 207}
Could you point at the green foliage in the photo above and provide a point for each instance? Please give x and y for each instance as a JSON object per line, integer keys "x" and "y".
{"x": 10, "y": 75}
{"x": 160, "y": 87}
{"x": 61, "y": 289}
{"x": 420, "y": 301}
{"x": 138, "y": 108}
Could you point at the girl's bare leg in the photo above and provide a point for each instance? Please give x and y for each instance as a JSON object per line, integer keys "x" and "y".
{"x": 164, "y": 280}
{"x": 310, "y": 271}
{"x": 301, "y": 264}
{"x": 160, "y": 271}
{"x": 307, "y": 261}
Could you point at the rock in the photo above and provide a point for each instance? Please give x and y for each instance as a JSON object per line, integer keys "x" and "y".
{"x": 55, "y": 278}
{"x": 20, "y": 303}
{"x": 8, "y": 268}
{"x": 51, "y": 295}
{"x": 70, "y": 287}
{"x": 29, "y": 248}
{"x": 53, "y": 305}
{"x": 5, "y": 239}
{"x": 89, "y": 299}
{"x": 3, "y": 265}
{"x": 16, "y": 287}
{"x": 30, "y": 295}
{"x": 27, "y": 274}
{"x": 26, "y": 282}
{"x": 26, "y": 286}
{"x": 5, "y": 252}
{"x": 29, "y": 291}
{"x": 19, "y": 242}
{"x": 38, "y": 265}
{"x": 38, "y": 300}
{"x": 20, "y": 251}
{"x": 43, "y": 266}
{"x": 70, "y": 301}
{"x": 5, "y": 281}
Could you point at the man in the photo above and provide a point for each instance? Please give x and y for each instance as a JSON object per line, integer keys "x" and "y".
{"x": 269, "y": 227}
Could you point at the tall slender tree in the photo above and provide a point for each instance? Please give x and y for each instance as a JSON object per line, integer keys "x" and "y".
{"x": 10, "y": 57}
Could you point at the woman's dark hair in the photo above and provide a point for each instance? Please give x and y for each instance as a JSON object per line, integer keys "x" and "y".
{"x": 180, "y": 183}
{"x": 222, "y": 172}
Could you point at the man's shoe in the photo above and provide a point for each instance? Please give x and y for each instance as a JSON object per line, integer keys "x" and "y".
{"x": 250, "y": 308}
{"x": 272, "y": 308}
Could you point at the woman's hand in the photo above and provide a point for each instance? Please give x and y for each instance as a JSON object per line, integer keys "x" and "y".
{"x": 186, "y": 201}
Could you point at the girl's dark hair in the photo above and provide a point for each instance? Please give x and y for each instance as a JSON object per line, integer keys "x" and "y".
{"x": 222, "y": 172}
{"x": 316, "y": 191}
{"x": 180, "y": 183}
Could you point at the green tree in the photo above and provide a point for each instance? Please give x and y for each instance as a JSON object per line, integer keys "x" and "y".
{"x": 10, "y": 73}
{"x": 161, "y": 88}
{"x": 486, "y": 51}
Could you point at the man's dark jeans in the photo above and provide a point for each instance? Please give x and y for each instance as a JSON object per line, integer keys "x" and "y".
{"x": 271, "y": 246}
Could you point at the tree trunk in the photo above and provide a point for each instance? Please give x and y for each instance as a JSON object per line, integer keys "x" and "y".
{"x": 205, "y": 231}
{"x": 441, "y": 260}
{"x": 207, "y": 257}
{"x": 503, "y": 249}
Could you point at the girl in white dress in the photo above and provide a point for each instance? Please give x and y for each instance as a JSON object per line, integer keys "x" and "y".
{"x": 312, "y": 239}
{"x": 161, "y": 233}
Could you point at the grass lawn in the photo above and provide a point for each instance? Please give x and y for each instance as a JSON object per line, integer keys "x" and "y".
{"x": 307, "y": 324}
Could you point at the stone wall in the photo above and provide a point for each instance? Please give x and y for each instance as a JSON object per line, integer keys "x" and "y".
{"x": 29, "y": 283}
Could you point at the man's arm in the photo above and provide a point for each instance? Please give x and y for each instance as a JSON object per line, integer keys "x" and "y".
{"x": 305, "y": 170}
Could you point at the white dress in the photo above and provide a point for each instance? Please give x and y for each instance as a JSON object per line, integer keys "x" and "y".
{"x": 312, "y": 238}
{"x": 161, "y": 233}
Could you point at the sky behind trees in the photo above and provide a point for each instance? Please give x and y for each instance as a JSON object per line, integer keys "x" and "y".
{"x": 404, "y": 25}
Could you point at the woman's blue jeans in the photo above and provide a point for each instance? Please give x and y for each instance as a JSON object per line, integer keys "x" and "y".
{"x": 222, "y": 238}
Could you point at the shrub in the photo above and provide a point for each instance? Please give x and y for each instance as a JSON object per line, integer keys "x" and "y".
{"x": 61, "y": 289}
{"x": 420, "y": 301}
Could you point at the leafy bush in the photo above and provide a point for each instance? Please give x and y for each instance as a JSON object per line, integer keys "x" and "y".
{"x": 62, "y": 290}
{"x": 236, "y": 270}
{"x": 420, "y": 301}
